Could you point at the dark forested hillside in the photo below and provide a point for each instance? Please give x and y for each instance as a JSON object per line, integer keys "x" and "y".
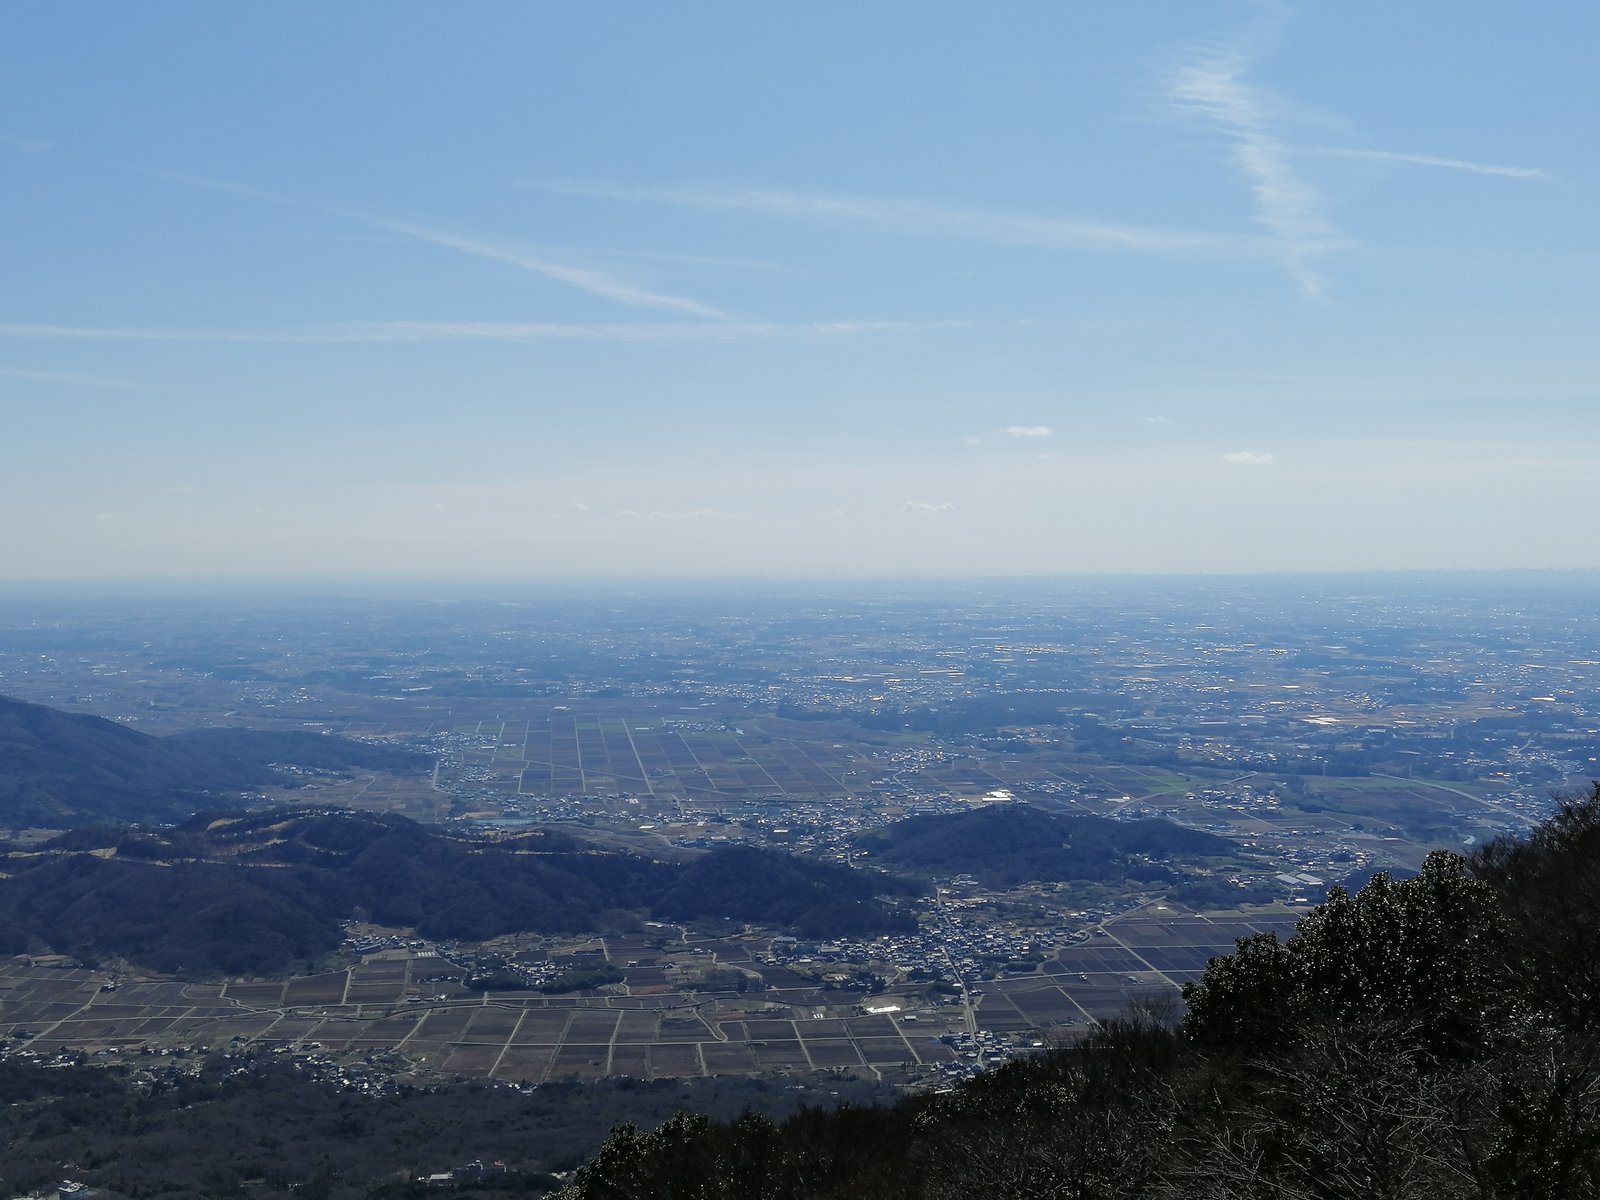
{"x": 1004, "y": 844}
{"x": 261, "y": 1126}
{"x": 265, "y": 892}
{"x": 772, "y": 888}
{"x": 60, "y": 769}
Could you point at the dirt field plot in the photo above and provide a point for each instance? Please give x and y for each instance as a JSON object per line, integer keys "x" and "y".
{"x": 57, "y": 1011}
{"x": 381, "y": 992}
{"x": 150, "y": 1027}
{"x": 492, "y": 1024}
{"x": 149, "y": 995}
{"x": 1100, "y": 1001}
{"x": 877, "y": 1026}
{"x": 629, "y": 1060}
{"x": 596, "y": 1025}
{"x": 730, "y": 1030}
{"x": 1101, "y": 958}
{"x": 542, "y": 1026}
{"x": 263, "y": 995}
{"x": 884, "y": 1050}
{"x": 184, "y": 1027}
{"x": 727, "y": 952}
{"x": 935, "y": 1051}
{"x": 581, "y": 1059}
{"x": 293, "y": 1029}
{"x": 770, "y": 1030}
{"x": 728, "y": 1058}
{"x": 675, "y": 1060}
{"x": 827, "y": 1027}
{"x": 684, "y": 1029}
{"x": 336, "y": 1034}
{"x": 646, "y": 980}
{"x": 1140, "y": 935}
{"x": 22, "y": 1015}
{"x": 387, "y": 1029}
{"x": 1044, "y": 1007}
{"x": 834, "y": 1052}
{"x": 449, "y": 1020}
{"x": 313, "y": 990}
{"x": 238, "y": 1027}
{"x": 781, "y": 1054}
{"x": 471, "y": 1059}
{"x": 82, "y": 1031}
{"x": 638, "y": 1026}
{"x": 1177, "y": 963}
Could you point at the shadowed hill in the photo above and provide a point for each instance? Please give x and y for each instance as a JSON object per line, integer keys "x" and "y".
{"x": 264, "y": 892}
{"x": 1006, "y": 844}
{"x": 62, "y": 769}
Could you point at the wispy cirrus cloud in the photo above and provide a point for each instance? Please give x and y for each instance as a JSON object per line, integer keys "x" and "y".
{"x": 926, "y": 506}
{"x": 1428, "y": 160}
{"x": 73, "y": 379}
{"x": 208, "y": 183}
{"x": 1028, "y": 431}
{"x": 596, "y": 283}
{"x": 920, "y": 218}
{"x": 1211, "y": 86}
{"x": 358, "y": 332}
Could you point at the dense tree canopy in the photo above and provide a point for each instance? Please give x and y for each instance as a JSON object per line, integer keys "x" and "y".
{"x": 1429, "y": 950}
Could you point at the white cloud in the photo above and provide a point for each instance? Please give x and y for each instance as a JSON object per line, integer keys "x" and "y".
{"x": 919, "y": 218}
{"x": 215, "y": 185}
{"x": 923, "y": 506}
{"x": 1430, "y": 160}
{"x": 1250, "y": 458}
{"x": 658, "y": 514}
{"x": 1288, "y": 207}
{"x": 1155, "y": 421}
{"x": 596, "y": 283}
{"x": 1028, "y": 431}
{"x": 357, "y": 332}
{"x": 72, "y": 379}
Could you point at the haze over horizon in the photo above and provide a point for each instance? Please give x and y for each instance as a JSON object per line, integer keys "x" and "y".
{"x": 723, "y": 290}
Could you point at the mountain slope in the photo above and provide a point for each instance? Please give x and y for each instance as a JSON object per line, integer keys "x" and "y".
{"x": 63, "y": 769}
{"x": 261, "y": 893}
{"x": 1006, "y": 844}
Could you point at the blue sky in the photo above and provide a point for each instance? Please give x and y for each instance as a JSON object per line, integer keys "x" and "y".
{"x": 699, "y": 289}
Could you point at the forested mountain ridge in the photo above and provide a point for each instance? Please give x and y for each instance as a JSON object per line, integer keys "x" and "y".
{"x": 198, "y": 898}
{"x": 59, "y": 769}
{"x": 1004, "y": 844}
{"x": 1432, "y": 1038}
